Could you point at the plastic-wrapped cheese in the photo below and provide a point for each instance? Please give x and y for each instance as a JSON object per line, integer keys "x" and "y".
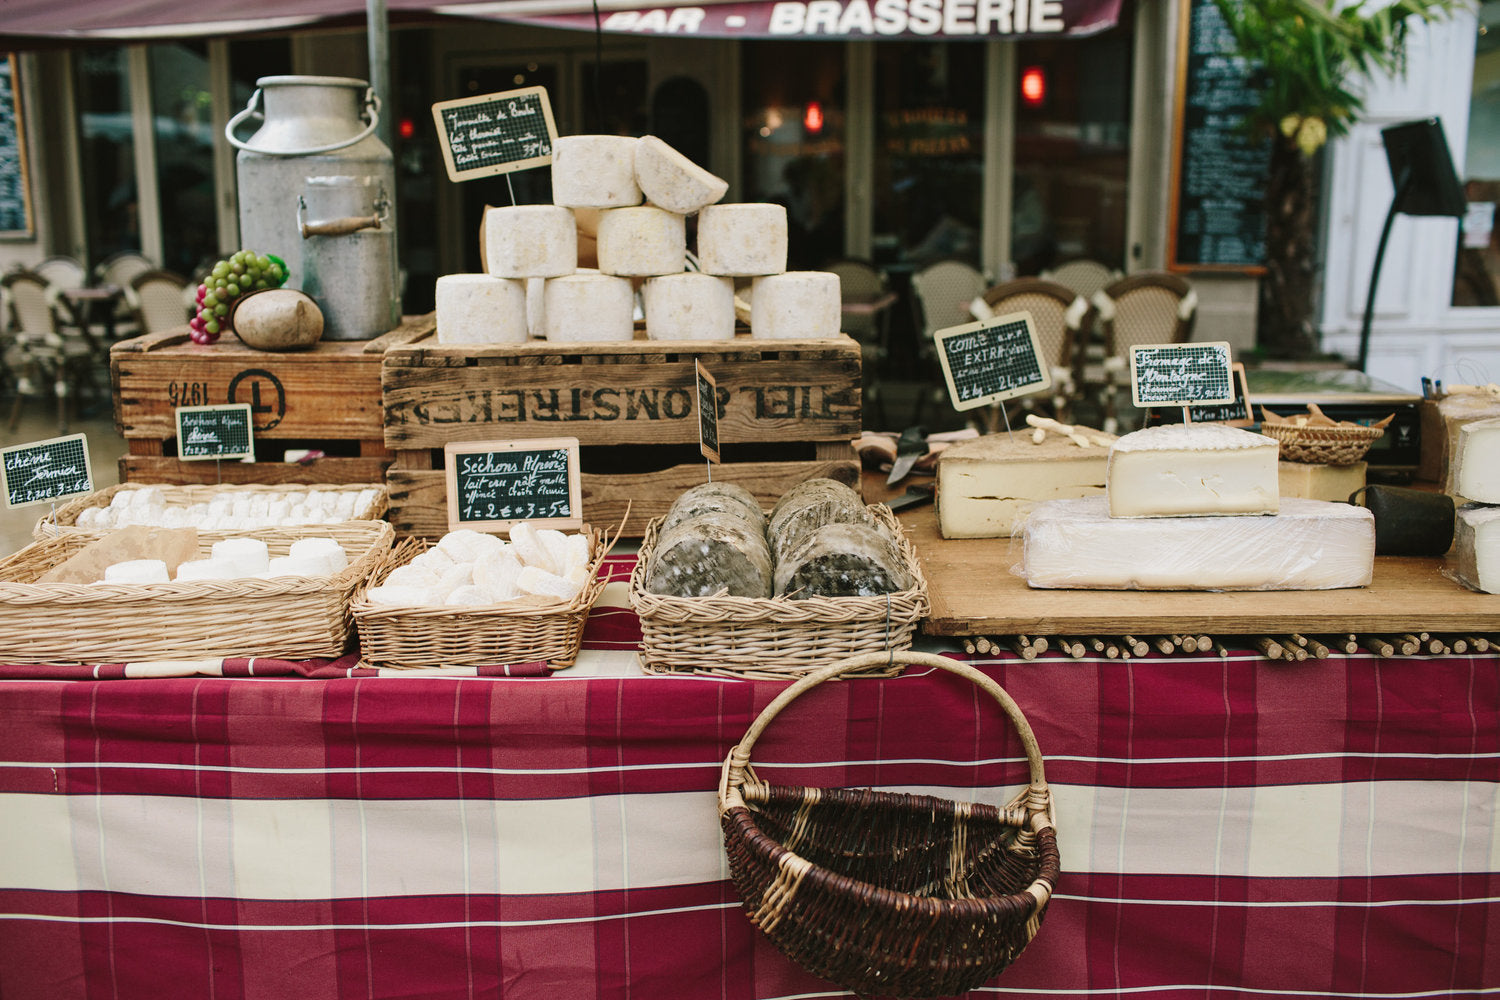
{"x": 1186, "y": 470}
{"x": 642, "y": 241}
{"x": 689, "y": 306}
{"x": 808, "y": 506}
{"x": 742, "y": 240}
{"x": 796, "y": 304}
{"x": 1476, "y": 547}
{"x": 722, "y": 497}
{"x": 480, "y": 309}
{"x": 1474, "y": 472}
{"x": 589, "y": 308}
{"x": 843, "y": 560}
{"x": 594, "y": 171}
{"x": 671, "y": 180}
{"x": 530, "y": 241}
{"x": 707, "y": 554}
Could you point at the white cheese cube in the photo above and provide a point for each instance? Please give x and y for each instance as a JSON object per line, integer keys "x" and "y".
{"x": 689, "y": 306}
{"x": 1313, "y": 481}
{"x": 589, "y": 307}
{"x": 796, "y": 305}
{"x": 986, "y": 487}
{"x": 1184, "y": 470}
{"x": 1476, "y": 546}
{"x": 742, "y": 240}
{"x": 530, "y": 241}
{"x": 594, "y": 171}
{"x": 642, "y": 241}
{"x": 480, "y": 309}
{"x": 1474, "y": 472}
{"x": 671, "y": 180}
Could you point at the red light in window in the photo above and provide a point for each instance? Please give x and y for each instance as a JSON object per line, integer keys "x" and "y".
{"x": 1033, "y": 86}
{"x": 812, "y": 119}
{"x": 407, "y": 128}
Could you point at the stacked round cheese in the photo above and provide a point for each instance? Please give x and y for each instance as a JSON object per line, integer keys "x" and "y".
{"x": 469, "y": 568}
{"x": 240, "y": 510}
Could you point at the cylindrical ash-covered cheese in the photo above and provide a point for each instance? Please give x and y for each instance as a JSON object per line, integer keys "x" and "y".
{"x": 671, "y": 180}
{"x": 480, "y": 309}
{"x": 728, "y": 498}
{"x": 594, "y": 171}
{"x": 689, "y": 306}
{"x": 796, "y": 305}
{"x": 808, "y": 506}
{"x": 642, "y": 241}
{"x": 588, "y": 307}
{"x": 843, "y": 560}
{"x": 530, "y": 241}
{"x": 742, "y": 240}
{"x": 714, "y": 552}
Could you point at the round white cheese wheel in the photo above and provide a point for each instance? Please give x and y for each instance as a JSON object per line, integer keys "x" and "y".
{"x": 137, "y": 571}
{"x": 742, "y": 240}
{"x": 797, "y": 304}
{"x": 325, "y": 552}
{"x": 642, "y": 241}
{"x": 480, "y": 309}
{"x": 689, "y": 306}
{"x": 205, "y": 569}
{"x": 249, "y": 556}
{"x": 588, "y": 307}
{"x": 671, "y": 180}
{"x": 530, "y": 241}
{"x": 594, "y": 171}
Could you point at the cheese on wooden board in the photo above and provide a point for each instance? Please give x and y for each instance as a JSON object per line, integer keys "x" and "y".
{"x": 689, "y": 306}
{"x": 707, "y": 554}
{"x": 1308, "y": 545}
{"x": 796, "y": 304}
{"x": 594, "y": 171}
{"x": 1186, "y": 470}
{"x": 986, "y": 487}
{"x": 642, "y": 241}
{"x": 742, "y": 240}
{"x": 1476, "y": 547}
{"x": 480, "y": 309}
{"x": 1474, "y": 469}
{"x": 1314, "y": 481}
{"x": 843, "y": 559}
{"x": 671, "y": 180}
{"x": 588, "y": 308}
{"x": 530, "y": 241}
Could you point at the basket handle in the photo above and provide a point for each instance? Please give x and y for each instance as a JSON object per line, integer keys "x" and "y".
{"x": 732, "y": 776}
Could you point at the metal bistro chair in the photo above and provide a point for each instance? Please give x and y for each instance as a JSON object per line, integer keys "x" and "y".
{"x": 942, "y": 293}
{"x": 867, "y": 306}
{"x": 116, "y": 272}
{"x": 1060, "y": 315}
{"x": 156, "y": 299}
{"x": 1151, "y": 307}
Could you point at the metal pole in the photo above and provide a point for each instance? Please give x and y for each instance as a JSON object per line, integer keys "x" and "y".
{"x": 378, "y": 30}
{"x": 1402, "y": 183}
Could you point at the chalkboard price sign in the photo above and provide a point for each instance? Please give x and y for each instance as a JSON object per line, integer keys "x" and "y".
{"x": 211, "y": 432}
{"x": 15, "y": 178}
{"x": 708, "y": 412}
{"x": 43, "y": 471}
{"x": 495, "y": 133}
{"x": 992, "y": 360}
{"x": 494, "y": 484}
{"x": 1181, "y": 374}
{"x": 1236, "y": 413}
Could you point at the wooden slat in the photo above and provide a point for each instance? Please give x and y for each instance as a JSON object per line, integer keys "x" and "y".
{"x": 148, "y": 469}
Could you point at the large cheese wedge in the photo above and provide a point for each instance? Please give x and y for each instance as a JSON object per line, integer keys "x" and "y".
{"x": 588, "y": 307}
{"x": 742, "y": 240}
{"x": 642, "y": 241}
{"x": 689, "y": 306}
{"x": 480, "y": 309}
{"x": 1476, "y": 547}
{"x": 1314, "y": 481}
{"x": 796, "y": 305}
{"x": 986, "y": 487}
{"x": 671, "y": 180}
{"x": 1309, "y": 545}
{"x": 1184, "y": 470}
{"x": 530, "y": 241}
{"x": 1474, "y": 473}
{"x": 594, "y": 171}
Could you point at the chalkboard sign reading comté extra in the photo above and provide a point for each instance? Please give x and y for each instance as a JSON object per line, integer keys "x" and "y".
{"x": 208, "y": 432}
{"x": 992, "y": 360}
{"x": 43, "y": 471}
{"x": 495, "y": 133}
{"x": 493, "y": 484}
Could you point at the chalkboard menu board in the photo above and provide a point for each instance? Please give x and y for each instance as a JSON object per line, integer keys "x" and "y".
{"x": 1182, "y": 374}
{"x": 15, "y": 184}
{"x": 708, "y": 412}
{"x": 1236, "y": 413}
{"x": 1219, "y": 170}
{"x": 992, "y": 360}
{"x": 207, "y": 432}
{"x": 43, "y": 471}
{"x": 494, "y": 484}
{"x": 495, "y": 133}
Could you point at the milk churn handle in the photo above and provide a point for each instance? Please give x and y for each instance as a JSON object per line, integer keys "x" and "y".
{"x": 372, "y": 103}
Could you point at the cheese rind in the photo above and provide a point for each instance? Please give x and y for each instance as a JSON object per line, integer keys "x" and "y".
{"x": 673, "y": 181}
{"x": 689, "y": 306}
{"x": 594, "y": 171}
{"x": 796, "y": 305}
{"x": 987, "y": 486}
{"x": 588, "y": 308}
{"x": 530, "y": 241}
{"x": 1312, "y": 481}
{"x": 1476, "y": 548}
{"x": 1191, "y": 470}
{"x": 742, "y": 240}
{"x": 1308, "y": 545}
{"x": 1474, "y": 473}
{"x": 480, "y": 309}
{"x": 642, "y": 241}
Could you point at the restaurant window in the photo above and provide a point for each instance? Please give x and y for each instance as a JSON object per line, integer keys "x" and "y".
{"x": 110, "y": 200}
{"x": 183, "y": 130}
{"x": 1476, "y": 279}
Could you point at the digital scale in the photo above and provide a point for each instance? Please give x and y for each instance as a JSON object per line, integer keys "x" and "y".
{"x": 1347, "y": 394}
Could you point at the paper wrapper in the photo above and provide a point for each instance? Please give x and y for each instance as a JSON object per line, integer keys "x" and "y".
{"x": 172, "y": 546}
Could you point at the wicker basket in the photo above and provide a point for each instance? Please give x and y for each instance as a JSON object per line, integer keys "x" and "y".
{"x": 1322, "y": 445}
{"x": 290, "y": 617}
{"x": 883, "y": 893}
{"x": 774, "y": 638}
{"x": 477, "y": 636}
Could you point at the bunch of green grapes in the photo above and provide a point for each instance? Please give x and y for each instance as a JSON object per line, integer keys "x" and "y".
{"x": 244, "y": 272}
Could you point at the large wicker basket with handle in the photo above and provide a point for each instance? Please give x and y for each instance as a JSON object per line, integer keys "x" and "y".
{"x": 884, "y": 893}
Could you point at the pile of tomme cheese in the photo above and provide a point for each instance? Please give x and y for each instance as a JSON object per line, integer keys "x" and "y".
{"x": 533, "y": 284}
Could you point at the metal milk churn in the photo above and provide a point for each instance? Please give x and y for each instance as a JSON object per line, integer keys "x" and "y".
{"x": 349, "y": 255}
{"x": 310, "y": 126}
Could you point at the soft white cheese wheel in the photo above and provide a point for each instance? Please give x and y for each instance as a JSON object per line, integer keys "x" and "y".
{"x": 137, "y": 571}
{"x": 589, "y": 307}
{"x": 689, "y": 306}
{"x": 671, "y": 180}
{"x": 292, "y": 566}
{"x": 326, "y": 553}
{"x": 205, "y": 569}
{"x": 797, "y": 304}
{"x": 530, "y": 241}
{"x": 248, "y": 555}
{"x": 642, "y": 241}
{"x": 480, "y": 309}
{"x": 742, "y": 240}
{"x": 594, "y": 171}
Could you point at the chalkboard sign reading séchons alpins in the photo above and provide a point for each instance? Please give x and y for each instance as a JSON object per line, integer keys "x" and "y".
{"x": 491, "y": 485}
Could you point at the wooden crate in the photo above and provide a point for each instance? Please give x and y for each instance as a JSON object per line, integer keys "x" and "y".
{"x": 789, "y": 410}
{"x": 325, "y": 398}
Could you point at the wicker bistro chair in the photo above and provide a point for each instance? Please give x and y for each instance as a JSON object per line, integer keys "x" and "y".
{"x": 156, "y": 299}
{"x": 117, "y": 271}
{"x": 1060, "y": 316}
{"x": 942, "y": 292}
{"x": 43, "y": 345}
{"x": 884, "y": 893}
{"x": 63, "y": 271}
{"x": 1150, "y": 307}
{"x": 867, "y": 303}
{"x": 1083, "y": 276}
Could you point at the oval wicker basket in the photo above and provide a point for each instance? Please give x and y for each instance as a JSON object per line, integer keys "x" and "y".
{"x": 1322, "y": 445}
{"x": 884, "y": 893}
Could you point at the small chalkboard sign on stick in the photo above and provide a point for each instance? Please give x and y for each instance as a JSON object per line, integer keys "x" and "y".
{"x": 209, "y": 432}
{"x": 494, "y": 484}
{"x": 708, "y": 412}
{"x": 43, "y": 471}
{"x": 992, "y": 360}
{"x": 1181, "y": 374}
{"x": 495, "y": 133}
{"x": 1236, "y": 413}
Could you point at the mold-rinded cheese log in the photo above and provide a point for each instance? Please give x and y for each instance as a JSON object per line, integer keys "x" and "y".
{"x": 843, "y": 560}
{"x": 742, "y": 240}
{"x": 709, "y": 554}
{"x": 689, "y": 306}
{"x": 1313, "y": 481}
{"x": 986, "y": 486}
{"x": 642, "y": 241}
{"x": 1184, "y": 470}
{"x": 671, "y": 180}
{"x": 730, "y": 498}
{"x": 796, "y": 304}
{"x": 1476, "y": 544}
{"x": 530, "y": 241}
{"x": 807, "y": 507}
{"x": 594, "y": 171}
{"x": 588, "y": 307}
{"x": 1308, "y": 545}
{"x": 1474, "y": 472}
{"x": 480, "y": 309}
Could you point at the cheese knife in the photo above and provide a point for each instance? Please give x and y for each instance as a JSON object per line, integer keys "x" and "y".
{"x": 911, "y": 446}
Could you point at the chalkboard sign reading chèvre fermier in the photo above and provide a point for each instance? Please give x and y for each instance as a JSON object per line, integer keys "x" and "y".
{"x": 492, "y": 485}
{"x": 495, "y": 133}
{"x": 44, "y": 471}
{"x": 992, "y": 360}
{"x": 215, "y": 432}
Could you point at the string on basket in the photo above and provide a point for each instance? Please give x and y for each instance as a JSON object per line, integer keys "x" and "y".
{"x": 890, "y": 651}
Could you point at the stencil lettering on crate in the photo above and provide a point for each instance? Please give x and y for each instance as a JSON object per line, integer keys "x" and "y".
{"x": 611, "y": 404}
{"x": 265, "y": 394}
